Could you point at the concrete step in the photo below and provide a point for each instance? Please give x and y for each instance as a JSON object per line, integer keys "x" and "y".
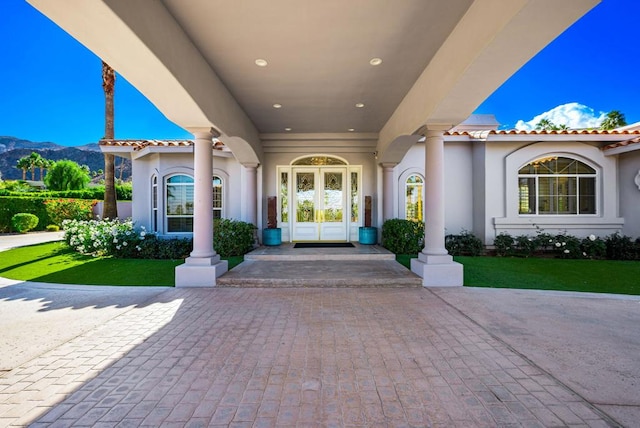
{"x": 320, "y": 273}
{"x": 287, "y": 252}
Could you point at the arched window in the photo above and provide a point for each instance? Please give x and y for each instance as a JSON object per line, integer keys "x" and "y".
{"x": 217, "y": 197}
{"x": 557, "y": 186}
{"x": 414, "y": 198}
{"x": 179, "y": 204}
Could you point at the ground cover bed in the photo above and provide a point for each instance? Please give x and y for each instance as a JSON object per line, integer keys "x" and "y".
{"x": 598, "y": 276}
{"x": 55, "y": 262}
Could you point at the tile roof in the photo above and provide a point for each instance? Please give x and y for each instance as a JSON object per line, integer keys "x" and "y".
{"x": 635, "y": 140}
{"x": 545, "y": 132}
{"x": 141, "y": 144}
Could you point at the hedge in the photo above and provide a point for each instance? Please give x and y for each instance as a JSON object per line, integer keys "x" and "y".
{"x": 11, "y": 205}
{"x": 123, "y": 193}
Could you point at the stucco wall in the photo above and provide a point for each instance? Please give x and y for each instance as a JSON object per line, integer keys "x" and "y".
{"x": 629, "y": 168}
{"x": 165, "y": 164}
{"x": 458, "y": 158}
{"x": 284, "y": 152}
{"x": 502, "y": 164}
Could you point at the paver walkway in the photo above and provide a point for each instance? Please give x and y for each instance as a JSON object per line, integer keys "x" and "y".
{"x": 289, "y": 357}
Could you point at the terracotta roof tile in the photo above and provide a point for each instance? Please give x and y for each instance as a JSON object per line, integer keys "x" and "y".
{"x": 141, "y": 144}
{"x": 635, "y": 140}
{"x": 544, "y": 132}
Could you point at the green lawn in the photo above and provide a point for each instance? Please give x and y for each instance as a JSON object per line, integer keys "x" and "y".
{"x": 598, "y": 276}
{"x": 57, "y": 263}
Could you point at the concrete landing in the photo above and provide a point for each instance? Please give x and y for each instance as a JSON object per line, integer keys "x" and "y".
{"x": 285, "y": 266}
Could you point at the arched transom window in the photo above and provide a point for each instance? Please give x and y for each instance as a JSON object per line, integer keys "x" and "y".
{"x": 557, "y": 186}
{"x": 414, "y": 198}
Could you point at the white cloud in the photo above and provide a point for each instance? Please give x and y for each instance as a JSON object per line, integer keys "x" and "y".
{"x": 574, "y": 115}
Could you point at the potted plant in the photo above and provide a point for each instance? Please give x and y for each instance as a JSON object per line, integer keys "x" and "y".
{"x": 272, "y": 235}
{"x": 367, "y": 235}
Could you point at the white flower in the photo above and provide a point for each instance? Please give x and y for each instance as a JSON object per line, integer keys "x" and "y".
{"x": 115, "y": 241}
{"x": 143, "y": 234}
{"x": 566, "y": 251}
{"x": 124, "y": 243}
{"x": 584, "y": 254}
{"x": 592, "y": 237}
{"x": 118, "y": 247}
{"x": 558, "y": 244}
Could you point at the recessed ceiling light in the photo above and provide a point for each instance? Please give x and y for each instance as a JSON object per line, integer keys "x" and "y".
{"x": 261, "y": 62}
{"x": 351, "y": 129}
{"x": 287, "y": 129}
{"x": 276, "y": 105}
{"x": 375, "y": 61}
{"x": 359, "y": 105}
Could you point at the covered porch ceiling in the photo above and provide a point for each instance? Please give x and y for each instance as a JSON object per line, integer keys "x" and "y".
{"x": 199, "y": 62}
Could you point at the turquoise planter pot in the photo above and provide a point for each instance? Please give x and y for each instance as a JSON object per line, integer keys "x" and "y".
{"x": 368, "y": 235}
{"x": 272, "y": 236}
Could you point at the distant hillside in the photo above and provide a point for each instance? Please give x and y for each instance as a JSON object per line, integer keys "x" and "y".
{"x": 12, "y": 149}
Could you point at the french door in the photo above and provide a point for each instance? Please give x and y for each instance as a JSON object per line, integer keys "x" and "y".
{"x": 319, "y": 204}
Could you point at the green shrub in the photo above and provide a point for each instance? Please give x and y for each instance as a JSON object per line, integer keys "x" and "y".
{"x": 567, "y": 247}
{"x": 10, "y": 205}
{"x": 504, "y": 244}
{"x": 620, "y": 247}
{"x": 69, "y": 209}
{"x": 403, "y": 236}
{"x": 155, "y": 248}
{"x": 464, "y": 244}
{"x": 24, "y": 222}
{"x": 53, "y": 228}
{"x": 593, "y": 248}
{"x": 232, "y": 237}
{"x": 66, "y": 175}
{"x": 525, "y": 245}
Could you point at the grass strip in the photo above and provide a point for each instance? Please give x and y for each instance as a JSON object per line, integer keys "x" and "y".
{"x": 55, "y": 262}
{"x": 596, "y": 276}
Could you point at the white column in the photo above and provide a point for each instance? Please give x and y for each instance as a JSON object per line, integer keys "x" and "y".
{"x": 434, "y": 195}
{"x": 387, "y": 190}
{"x": 251, "y": 195}
{"x": 203, "y": 265}
{"x": 434, "y": 264}
{"x": 202, "y": 199}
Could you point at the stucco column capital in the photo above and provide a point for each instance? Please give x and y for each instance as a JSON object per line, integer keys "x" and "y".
{"x": 436, "y": 129}
{"x": 388, "y": 165}
{"x": 204, "y": 133}
{"x": 251, "y": 165}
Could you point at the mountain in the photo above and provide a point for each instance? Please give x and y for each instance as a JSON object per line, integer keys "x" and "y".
{"x": 10, "y": 143}
{"x": 12, "y": 149}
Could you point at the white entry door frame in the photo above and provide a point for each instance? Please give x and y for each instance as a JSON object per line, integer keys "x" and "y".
{"x": 319, "y": 203}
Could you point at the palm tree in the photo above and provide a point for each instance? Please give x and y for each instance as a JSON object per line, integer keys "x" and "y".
{"x": 23, "y": 164}
{"x": 110, "y": 208}
{"x": 613, "y": 120}
{"x": 34, "y": 161}
{"x": 41, "y": 163}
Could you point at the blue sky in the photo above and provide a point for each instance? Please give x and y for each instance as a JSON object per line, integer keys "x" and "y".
{"x": 50, "y": 85}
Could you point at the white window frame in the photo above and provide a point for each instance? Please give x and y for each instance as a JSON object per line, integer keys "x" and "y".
{"x": 576, "y": 176}
{"x": 166, "y": 204}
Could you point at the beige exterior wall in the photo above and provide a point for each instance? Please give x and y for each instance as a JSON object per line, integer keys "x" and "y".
{"x": 629, "y": 168}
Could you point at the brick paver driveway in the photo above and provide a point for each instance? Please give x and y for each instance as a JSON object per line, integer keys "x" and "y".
{"x": 289, "y": 357}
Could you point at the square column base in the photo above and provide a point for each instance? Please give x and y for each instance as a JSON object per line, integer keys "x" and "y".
{"x": 438, "y": 274}
{"x": 200, "y": 275}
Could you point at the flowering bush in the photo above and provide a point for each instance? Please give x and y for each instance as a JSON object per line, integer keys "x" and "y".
{"x": 504, "y": 244}
{"x": 104, "y": 237}
{"x": 71, "y": 209}
{"x": 593, "y": 247}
